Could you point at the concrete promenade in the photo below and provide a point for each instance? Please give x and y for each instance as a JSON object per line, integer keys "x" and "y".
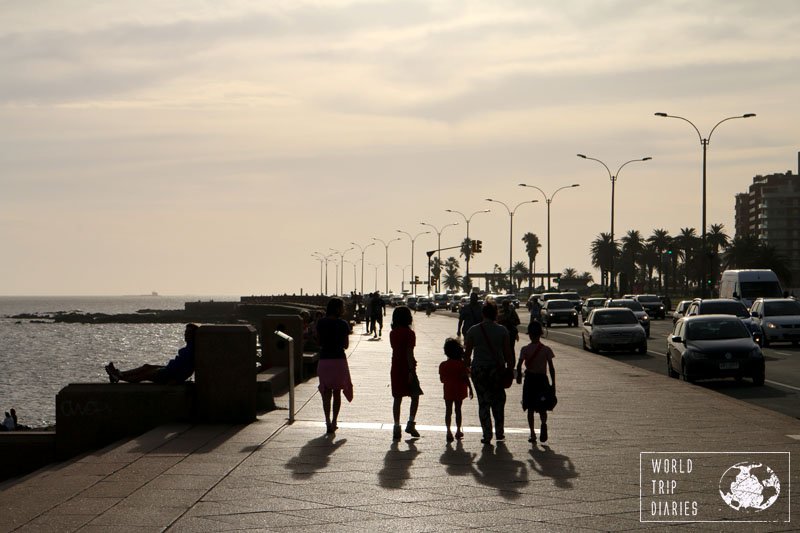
{"x": 270, "y": 476}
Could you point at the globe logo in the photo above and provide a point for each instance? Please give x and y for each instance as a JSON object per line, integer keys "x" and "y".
{"x": 749, "y": 487}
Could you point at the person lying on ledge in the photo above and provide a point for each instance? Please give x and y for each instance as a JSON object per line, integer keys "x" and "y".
{"x": 177, "y": 369}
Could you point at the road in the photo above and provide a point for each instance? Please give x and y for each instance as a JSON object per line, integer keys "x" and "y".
{"x": 780, "y": 393}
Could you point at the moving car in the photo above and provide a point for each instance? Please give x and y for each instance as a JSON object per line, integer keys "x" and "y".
{"x": 441, "y": 300}
{"x": 725, "y": 306}
{"x": 500, "y": 298}
{"x": 713, "y": 346}
{"x": 559, "y": 311}
{"x": 411, "y": 302}
{"x": 613, "y": 329}
{"x": 749, "y": 285}
{"x": 680, "y": 310}
{"x": 778, "y": 318}
{"x": 591, "y": 303}
{"x": 637, "y": 309}
{"x": 573, "y": 297}
{"x": 652, "y": 304}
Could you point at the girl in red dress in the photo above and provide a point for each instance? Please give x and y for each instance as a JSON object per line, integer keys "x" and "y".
{"x": 453, "y": 372}
{"x": 404, "y": 370}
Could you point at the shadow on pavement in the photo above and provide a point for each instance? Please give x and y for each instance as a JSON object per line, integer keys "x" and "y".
{"x": 397, "y": 465}
{"x": 313, "y": 456}
{"x": 496, "y": 467}
{"x": 545, "y": 462}
{"x": 457, "y": 461}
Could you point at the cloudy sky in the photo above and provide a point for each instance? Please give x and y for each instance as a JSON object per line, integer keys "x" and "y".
{"x": 208, "y": 147}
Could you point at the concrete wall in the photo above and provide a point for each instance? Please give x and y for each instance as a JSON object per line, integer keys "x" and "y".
{"x": 274, "y": 350}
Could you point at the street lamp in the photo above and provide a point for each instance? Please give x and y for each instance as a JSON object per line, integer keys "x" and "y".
{"x": 355, "y": 284}
{"x": 511, "y": 237}
{"x": 439, "y": 247}
{"x": 321, "y": 260}
{"x": 341, "y": 262}
{"x": 386, "y": 245}
{"x": 413, "y": 239}
{"x": 549, "y": 201}
{"x": 467, "y": 219}
{"x": 704, "y": 142}
{"x": 376, "y": 274}
{"x": 403, "y": 279}
{"x": 362, "y": 249}
{"x": 325, "y": 258}
{"x": 613, "y": 178}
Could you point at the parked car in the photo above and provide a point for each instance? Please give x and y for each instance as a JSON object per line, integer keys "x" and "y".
{"x": 726, "y": 306}
{"x": 591, "y": 303}
{"x": 559, "y": 311}
{"x": 778, "y": 318}
{"x": 613, "y": 329}
{"x": 680, "y": 310}
{"x": 653, "y": 305}
{"x": 636, "y": 307}
{"x": 713, "y": 346}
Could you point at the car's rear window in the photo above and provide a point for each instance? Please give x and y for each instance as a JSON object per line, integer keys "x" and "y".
{"x": 724, "y": 308}
{"x": 630, "y": 304}
{"x": 716, "y": 330}
{"x": 786, "y": 308}
{"x": 605, "y": 319}
{"x": 554, "y": 304}
{"x": 649, "y": 299}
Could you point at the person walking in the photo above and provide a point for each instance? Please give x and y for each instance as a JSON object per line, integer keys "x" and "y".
{"x": 469, "y": 315}
{"x": 454, "y": 375}
{"x": 509, "y": 319}
{"x": 378, "y": 312}
{"x": 403, "y": 372}
{"x": 488, "y": 354}
{"x": 333, "y": 372}
{"x": 538, "y": 394}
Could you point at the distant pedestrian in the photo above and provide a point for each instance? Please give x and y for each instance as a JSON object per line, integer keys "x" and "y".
{"x": 537, "y": 393}
{"x": 8, "y": 423}
{"x": 368, "y": 313}
{"x": 488, "y": 350}
{"x": 469, "y": 315}
{"x": 509, "y": 319}
{"x": 378, "y": 312}
{"x": 454, "y": 374}
{"x": 332, "y": 369}
{"x": 403, "y": 373}
{"x": 177, "y": 370}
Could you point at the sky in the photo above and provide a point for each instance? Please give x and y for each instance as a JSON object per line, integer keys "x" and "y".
{"x": 205, "y": 147}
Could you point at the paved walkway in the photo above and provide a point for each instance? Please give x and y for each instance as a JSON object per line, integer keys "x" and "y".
{"x": 270, "y": 476}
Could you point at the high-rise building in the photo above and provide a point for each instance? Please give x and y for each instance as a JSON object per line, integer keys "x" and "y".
{"x": 770, "y": 210}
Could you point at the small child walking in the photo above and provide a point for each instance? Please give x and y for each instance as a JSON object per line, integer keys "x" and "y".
{"x": 454, "y": 374}
{"x": 538, "y": 395}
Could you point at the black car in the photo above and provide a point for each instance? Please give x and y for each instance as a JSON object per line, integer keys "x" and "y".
{"x": 726, "y": 306}
{"x": 713, "y": 346}
{"x": 559, "y": 311}
{"x": 653, "y": 305}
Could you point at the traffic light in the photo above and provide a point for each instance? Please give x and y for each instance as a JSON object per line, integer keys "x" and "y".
{"x": 416, "y": 280}
{"x": 478, "y": 247}
{"x": 557, "y": 279}
{"x": 474, "y": 245}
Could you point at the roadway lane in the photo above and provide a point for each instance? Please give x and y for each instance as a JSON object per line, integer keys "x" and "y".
{"x": 781, "y": 392}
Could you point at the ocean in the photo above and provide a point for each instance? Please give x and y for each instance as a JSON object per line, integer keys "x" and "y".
{"x": 39, "y": 359}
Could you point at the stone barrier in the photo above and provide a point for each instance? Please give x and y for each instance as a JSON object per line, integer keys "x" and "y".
{"x": 225, "y": 374}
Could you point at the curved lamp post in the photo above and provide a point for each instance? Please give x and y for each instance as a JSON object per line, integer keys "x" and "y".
{"x": 613, "y": 178}
{"x": 325, "y": 258}
{"x": 439, "y": 247}
{"x": 403, "y": 279}
{"x": 341, "y": 262}
{"x": 704, "y": 142}
{"x": 386, "y": 245}
{"x": 467, "y": 219}
{"x": 413, "y": 239}
{"x": 549, "y": 201}
{"x": 376, "y": 273}
{"x": 321, "y": 260}
{"x": 511, "y": 236}
{"x": 362, "y": 249}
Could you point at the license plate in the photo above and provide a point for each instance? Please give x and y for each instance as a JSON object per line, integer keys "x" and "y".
{"x": 728, "y": 366}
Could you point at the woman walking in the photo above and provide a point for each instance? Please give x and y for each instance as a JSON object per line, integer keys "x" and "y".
{"x": 403, "y": 373}
{"x": 488, "y": 350}
{"x": 334, "y": 374}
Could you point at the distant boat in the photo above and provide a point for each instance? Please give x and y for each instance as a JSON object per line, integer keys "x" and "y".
{"x": 154, "y": 293}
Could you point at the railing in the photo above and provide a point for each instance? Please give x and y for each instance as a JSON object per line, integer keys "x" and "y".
{"x": 289, "y": 340}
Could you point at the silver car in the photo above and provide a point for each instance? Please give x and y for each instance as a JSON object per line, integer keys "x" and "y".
{"x": 636, "y": 307}
{"x": 779, "y": 319}
{"x": 613, "y": 329}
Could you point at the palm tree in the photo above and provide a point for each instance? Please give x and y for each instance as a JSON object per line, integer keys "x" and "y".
{"x": 749, "y": 251}
{"x": 716, "y": 240}
{"x": 660, "y": 241}
{"x": 632, "y": 248}
{"x": 587, "y": 276}
{"x": 650, "y": 260}
{"x": 520, "y": 272}
{"x": 436, "y": 268}
{"x": 569, "y": 273}
{"x": 686, "y": 243}
{"x": 532, "y": 246}
{"x": 466, "y": 252}
{"x": 452, "y": 279}
{"x": 604, "y": 252}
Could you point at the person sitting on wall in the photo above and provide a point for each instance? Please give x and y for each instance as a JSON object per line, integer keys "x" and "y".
{"x": 177, "y": 370}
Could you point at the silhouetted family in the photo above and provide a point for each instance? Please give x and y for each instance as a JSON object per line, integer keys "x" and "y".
{"x": 486, "y": 361}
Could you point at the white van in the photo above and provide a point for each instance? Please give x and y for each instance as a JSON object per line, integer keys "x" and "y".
{"x": 747, "y": 285}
